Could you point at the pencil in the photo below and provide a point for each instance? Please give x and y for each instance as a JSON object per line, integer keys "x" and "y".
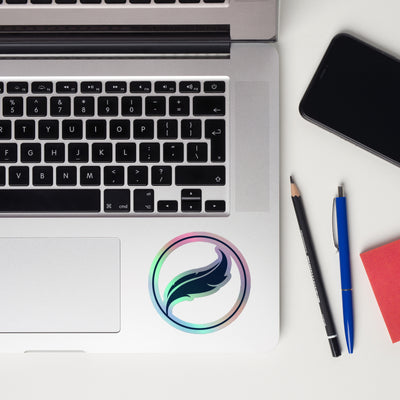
{"x": 315, "y": 269}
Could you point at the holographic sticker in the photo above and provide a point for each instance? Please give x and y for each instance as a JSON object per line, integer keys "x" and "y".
{"x": 196, "y": 283}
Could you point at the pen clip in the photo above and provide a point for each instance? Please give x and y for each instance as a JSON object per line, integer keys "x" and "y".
{"x": 334, "y": 231}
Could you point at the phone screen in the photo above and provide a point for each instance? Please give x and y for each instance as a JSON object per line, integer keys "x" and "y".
{"x": 356, "y": 94}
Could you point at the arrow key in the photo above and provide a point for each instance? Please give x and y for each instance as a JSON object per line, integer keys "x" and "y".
{"x": 167, "y": 206}
{"x": 215, "y": 205}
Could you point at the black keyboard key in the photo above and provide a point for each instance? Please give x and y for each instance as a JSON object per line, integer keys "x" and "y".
{"x": 114, "y": 176}
{"x": 161, "y": 175}
{"x": 102, "y": 152}
{"x": 117, "y": 200}
{"x": 8, "y": 152}
{"x": 214, "y": 1}
{"x": 196, "y": 152}
{"x": 36, "y": 106}
{"x": 165, "y": 87}
{"x": 18, "y": 176}
{"x": 115, "y": 1}
{"x": 60, "y": 106}
{"x": 215, "y": 131}
{"x": 120, "y": 129}
{"x": 178, "y": 105}
{"x": 125, "y": 152}
{"x": 42, "y": 87}
{"x": 140, "y": 86}
{"x": 167, "y": 206}
{"x": 17, "y": 87}
{"x": 42, "y": 176}
{"x": 50, "y": 200}
{"x": 167, "y": 129}
{"x": 2, "y": 176}
{"x": 25, "y": 129}
{"x": 54, "y": 152}
{"x": 200, "y": 175}
{"x": 173, "y": 152}
{"x": 191, "y": 194}
{"x": 143, "y": 129}
{"x": 189, "y": 87}
{"x": 116, "y": 87}
{"x": 91, "y": 87}
{"x": 78, "y": 152}
{"x": 155, "y": 106}
{"x": 66, "y": 87}
{"x": 209, "y": 105}
{"x": 138, "y": 176}
{"x": 65, "y": 1}
{"x": 48, "y": 129}
{"x": 66, "y": 176}
{"x": 84, "y": 106}
{"x": 1, "y": 87}
{"x": 72, "y": 129}
{"x": 149, "y": 152}
{"x": 164, "y": 1}
{"x": 96, "y": 129}
{"x": 214, "y": 87}
{"x": 215, "y": 206}
{"x": 5, "y": 129}
{"x": 140, "y": 1}
{"x": 143, "y": 200}
{"x": 191, "y": 200}
{"x": 191, "y": 129}
{"x": 191, "y": 205}
{"x": 189, "y": 1}
{"x": 31, "y": 152}
{"x": 107, "y": 106}
{"x": 132, "y": 106}
{"x": 12, "y": 106}
{"x": 16, "y": 1}
{"x": 90, "y": 1}
{"x": 90, "y": 176}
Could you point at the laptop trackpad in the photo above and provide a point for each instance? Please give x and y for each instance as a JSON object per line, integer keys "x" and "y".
{"x": 59, "y": 285}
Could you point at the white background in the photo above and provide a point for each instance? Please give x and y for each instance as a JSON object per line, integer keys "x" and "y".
{"x": 301, "y": 367}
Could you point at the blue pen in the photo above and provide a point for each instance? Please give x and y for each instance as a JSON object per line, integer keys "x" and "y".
{"x": 345, "y": 276}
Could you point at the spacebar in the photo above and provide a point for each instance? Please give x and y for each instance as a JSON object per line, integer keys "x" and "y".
{"x": 49, "y": 201}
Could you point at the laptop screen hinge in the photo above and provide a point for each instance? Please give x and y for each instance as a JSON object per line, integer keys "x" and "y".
{"x": 118, "y": 40}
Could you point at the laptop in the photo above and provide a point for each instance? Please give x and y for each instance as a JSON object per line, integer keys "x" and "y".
{"x": 139, "y": 171}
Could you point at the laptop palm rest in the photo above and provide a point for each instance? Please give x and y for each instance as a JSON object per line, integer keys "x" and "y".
{"x": 59, "y": 285}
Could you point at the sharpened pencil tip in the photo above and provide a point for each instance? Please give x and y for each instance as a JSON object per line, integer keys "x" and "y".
{"x": 291, "y": 179}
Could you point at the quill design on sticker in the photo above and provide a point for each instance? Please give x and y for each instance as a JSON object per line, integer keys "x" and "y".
{"x": 228, "y": 269}
{"x": 198, "y": 282}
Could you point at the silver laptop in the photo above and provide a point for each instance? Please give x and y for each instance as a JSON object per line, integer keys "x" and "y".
{"x": 139, "y": 166}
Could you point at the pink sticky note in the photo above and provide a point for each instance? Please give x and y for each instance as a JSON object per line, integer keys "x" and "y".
{"x": 383, "y": 269}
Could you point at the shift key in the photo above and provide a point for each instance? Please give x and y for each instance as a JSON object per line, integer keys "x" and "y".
{"x": 208, "y": 105}
{"x": 200, "y": 175}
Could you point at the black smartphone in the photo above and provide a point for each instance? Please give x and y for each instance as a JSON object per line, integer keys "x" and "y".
{"x": 355, "y": 93}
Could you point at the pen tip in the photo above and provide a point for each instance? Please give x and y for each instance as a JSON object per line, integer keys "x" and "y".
{"x": 291, "y": 179}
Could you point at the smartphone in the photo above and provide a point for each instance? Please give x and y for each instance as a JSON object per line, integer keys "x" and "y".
{"x": 355, "y": 93}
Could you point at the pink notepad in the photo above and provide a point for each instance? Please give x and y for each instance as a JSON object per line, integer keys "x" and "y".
{"x": 383, "y": 269}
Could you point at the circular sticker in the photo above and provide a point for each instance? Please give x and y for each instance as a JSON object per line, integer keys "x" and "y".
{"x": 199, "y": 282}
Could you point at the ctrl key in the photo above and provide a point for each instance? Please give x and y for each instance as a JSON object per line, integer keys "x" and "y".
{"x": 117, "y": 200}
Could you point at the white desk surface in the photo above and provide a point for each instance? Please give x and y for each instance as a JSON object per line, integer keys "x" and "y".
{"x": 301, "y": 367}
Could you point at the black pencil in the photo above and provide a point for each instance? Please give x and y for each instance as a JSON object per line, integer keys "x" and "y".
{"x": 315, "y": 270}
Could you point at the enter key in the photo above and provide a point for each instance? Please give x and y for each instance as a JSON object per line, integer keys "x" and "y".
{"x": 215, "y": 131}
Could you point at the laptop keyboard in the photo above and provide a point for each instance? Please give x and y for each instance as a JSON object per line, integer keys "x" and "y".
{"x": 132, "y": 147}
{"x": 130, "y": 2}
